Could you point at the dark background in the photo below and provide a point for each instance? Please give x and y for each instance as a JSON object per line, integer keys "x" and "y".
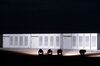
{"x": 49, "y": 16}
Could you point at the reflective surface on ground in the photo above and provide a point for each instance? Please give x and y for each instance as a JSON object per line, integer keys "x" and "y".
{"x": 89, "y": 53}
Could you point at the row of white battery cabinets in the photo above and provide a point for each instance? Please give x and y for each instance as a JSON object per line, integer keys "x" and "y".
{"x": 31, "y": 41}
{"x": 53, "y": 41}
{"x": 80, "y": 41}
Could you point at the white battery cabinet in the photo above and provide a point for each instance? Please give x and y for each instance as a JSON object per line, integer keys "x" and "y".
{"x": 67, "y": 41}
{"x": 16, "y": 41}
{"x": 93, "y": 41}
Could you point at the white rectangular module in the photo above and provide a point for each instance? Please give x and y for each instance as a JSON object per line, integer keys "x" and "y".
{"x": 67, "y": 41}
{"x": 87, "y": 42}
{"x": 16, "y": 40}
{"x": 80, "y": 41}
{"x": 94, "y": 41}
{"x": 45, "y": 41}
{"x": 75, "y": 41}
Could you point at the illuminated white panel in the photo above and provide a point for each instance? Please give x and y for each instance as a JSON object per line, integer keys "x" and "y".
{"x": 46, "y": 41}
{"x": 6, "y": 42}
{"x": 74, "y": 41}
{"x": 87, "y": 41}
{"x": 51, "y": 40}
{"x": 94, "y": 41}
{"x": 16, "y": 40}
{"x": 57, "y": 40}
{"x": 67, "y": 41}
{"x": 80, "y": 41}
{"x": 40, "y": 40}
{"x": 35, "y": 41}
{"x": 11, "y": 44}
{"x": 21, "y": 41}
{"x": 25, "y": 40}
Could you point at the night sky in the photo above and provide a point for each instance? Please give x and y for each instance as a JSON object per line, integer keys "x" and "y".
{"x": 55, "y": 16}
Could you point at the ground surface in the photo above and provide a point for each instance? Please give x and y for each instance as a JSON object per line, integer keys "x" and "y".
{"x": 16, "y": 58}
